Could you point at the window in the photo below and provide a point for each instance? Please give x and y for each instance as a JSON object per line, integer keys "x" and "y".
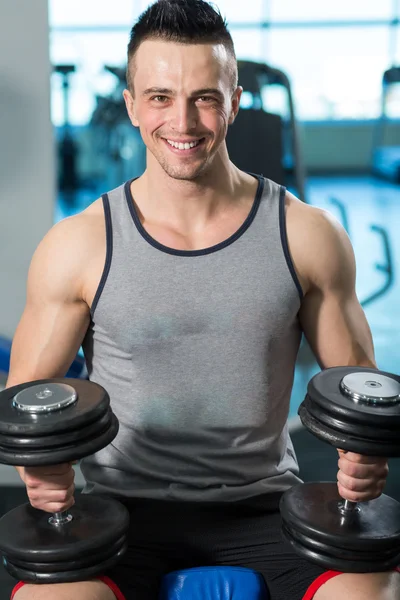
{"x": 92, "y": 13}
{"x": 334, "y": 53}
{"x": 339, "y": 10}
{"x": 90, "y": 52}
{"x": 336, "y": 73}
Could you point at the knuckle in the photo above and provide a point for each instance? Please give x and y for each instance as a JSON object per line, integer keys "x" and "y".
{"x": 33, "y": 496}
{"x": 31, "y": 481}
{"x": 35, "y": 502}
{"x": 352, "y": 470}
{"x": 64, "y": 496}
{"x": 352, "y": 485}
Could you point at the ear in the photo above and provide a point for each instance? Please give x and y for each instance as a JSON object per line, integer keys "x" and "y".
{"x": 237, "y": 94}
{"x": 130, "y": 107}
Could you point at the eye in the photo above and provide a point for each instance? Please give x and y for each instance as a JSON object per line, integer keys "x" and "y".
{"x": 159, "y": 99}
{"x": 207, "y": 99}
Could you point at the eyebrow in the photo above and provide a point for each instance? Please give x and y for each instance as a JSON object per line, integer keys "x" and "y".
{"x": 168, "y": 92}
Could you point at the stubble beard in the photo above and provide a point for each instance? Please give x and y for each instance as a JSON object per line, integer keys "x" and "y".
{"x": 183, "y": 172}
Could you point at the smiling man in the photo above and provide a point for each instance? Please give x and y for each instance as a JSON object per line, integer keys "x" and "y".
{"x": 189, "y": 289}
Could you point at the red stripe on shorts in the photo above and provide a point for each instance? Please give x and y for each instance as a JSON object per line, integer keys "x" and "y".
{"x": 314, "y": 587}
{"x": 113, "y": 587}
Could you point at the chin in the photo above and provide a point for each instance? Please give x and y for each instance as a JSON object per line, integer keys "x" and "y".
{"x": 184, "y": 173}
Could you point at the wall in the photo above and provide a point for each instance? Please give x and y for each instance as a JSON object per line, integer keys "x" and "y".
{"x": 341, "y": 146}
{"x": 27, "y": 186}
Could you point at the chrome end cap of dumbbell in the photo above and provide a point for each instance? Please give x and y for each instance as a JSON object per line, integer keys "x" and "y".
{"x": 45, "y": 398}
{"x": 371, "y": 388}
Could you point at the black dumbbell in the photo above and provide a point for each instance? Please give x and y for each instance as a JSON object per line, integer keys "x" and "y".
{"x": 358, "y": 410}
{"x": 50, "y": 422}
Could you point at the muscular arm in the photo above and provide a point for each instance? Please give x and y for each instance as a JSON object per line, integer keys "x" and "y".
{"x": 332, "y": 319}
{"x": 56, "y": 316}
{"x": 335, "y": 325}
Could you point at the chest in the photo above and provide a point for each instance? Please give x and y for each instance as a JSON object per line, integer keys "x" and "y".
{"x": 189, "y": 301}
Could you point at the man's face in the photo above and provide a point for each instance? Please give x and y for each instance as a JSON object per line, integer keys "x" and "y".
{"x": 183, "y": 103}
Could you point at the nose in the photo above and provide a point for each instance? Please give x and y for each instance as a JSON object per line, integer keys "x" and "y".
{"x": 184, "y": 116}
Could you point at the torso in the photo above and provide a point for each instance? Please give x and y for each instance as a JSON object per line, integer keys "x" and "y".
{"x": 221, "y": 229}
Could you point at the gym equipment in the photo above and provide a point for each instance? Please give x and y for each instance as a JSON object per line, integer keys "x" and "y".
{"x": 49, "y": 422}
{"x": 261, "y": 142}
{"x": 214, "y": 583}
{"x": 386, "y": 159}
{"x": 5, "y": 351}
{"x": 119, "y": 147}
{"x": 342, "y": 212}
{"x": 355, "y": 409}
{"x": 76, "y": 369}
{"x": 386, "y": 267}
{"x": 68, "y": 149}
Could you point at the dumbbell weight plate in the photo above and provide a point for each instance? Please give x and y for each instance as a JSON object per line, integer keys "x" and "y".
{"x": 352, "y": 438}
{"x": 47, "y": 442}
{"x": 92, "y": 403}
{"x": 336, "y": 559}
{"x": 35, "y": 458}
{"x": 351, "y": 428}
{"x": 70, "y": 576}
{"x": 327, "y": 390}
{"x": 79, "y": 562}
{"x": 97, "y": 524}
{"x": 311, "y": 510}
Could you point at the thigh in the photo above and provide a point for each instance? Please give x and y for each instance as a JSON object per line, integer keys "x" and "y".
{"x": 138, "y": 575}
{"x": 151, "y": 553}
{"x": 90, "y": 590}
{"x": 362, "y": 586}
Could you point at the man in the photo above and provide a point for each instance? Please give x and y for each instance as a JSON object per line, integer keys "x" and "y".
{"x": 189, "y": 288}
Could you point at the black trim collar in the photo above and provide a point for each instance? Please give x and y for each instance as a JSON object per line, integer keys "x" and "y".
{"x": 245, "y": 225}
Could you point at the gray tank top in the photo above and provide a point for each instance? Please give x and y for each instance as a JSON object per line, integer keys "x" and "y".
{"x": 197, "y": 351}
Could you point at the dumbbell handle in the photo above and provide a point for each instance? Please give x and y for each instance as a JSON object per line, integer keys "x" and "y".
{"x": 60, "y": 518}
{"x": 347, "y": 508}
{"x": 348, "y": 505}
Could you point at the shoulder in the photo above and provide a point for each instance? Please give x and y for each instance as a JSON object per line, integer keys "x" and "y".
{"x": 67, "y": 250}
{"x": 74, "y": 234}
{"x": 320, "y": 247}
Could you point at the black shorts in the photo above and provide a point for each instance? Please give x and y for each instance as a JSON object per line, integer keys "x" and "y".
{"x": 168, "y": 536}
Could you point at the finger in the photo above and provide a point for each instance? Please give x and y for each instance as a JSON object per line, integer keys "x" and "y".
{"x": 54, "y": 507}
{"x": 361, "y": 458}
{"x": 40, "y": 497}
{"x": 359, "y": 496}
{"x": 53, "y": 482}
{"x": 363, "y": 471}
{"x": 49, "y": 469}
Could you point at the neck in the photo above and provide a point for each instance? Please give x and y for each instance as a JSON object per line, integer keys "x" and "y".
{"x": 188, "y": 204}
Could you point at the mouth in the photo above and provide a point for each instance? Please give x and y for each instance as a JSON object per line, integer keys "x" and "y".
{"x": 184, "y": 148}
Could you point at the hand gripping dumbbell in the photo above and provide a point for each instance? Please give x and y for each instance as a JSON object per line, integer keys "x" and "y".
{"x": 50, "y": 422}
{"x": 355, "y": 409}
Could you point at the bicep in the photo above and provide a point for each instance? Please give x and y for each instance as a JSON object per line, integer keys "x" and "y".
{"x": 46, "y": 341}
{"x": 336, "y": 329}
{"x": 331, "y": 316}
{"x": 54, "y": 320}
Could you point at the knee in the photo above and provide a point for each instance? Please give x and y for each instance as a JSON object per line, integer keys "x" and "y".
{"x": 42, "y": 592}
{"x": 357, "y": 586}
{"x": 94, "y": 590}
{"x": 28, "y": 592}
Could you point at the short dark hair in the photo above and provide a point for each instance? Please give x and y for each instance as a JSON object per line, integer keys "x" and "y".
{"x": 183, "y": 21}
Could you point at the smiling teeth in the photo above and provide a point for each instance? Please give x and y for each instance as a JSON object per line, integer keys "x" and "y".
{"x": 186, "y": 146}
